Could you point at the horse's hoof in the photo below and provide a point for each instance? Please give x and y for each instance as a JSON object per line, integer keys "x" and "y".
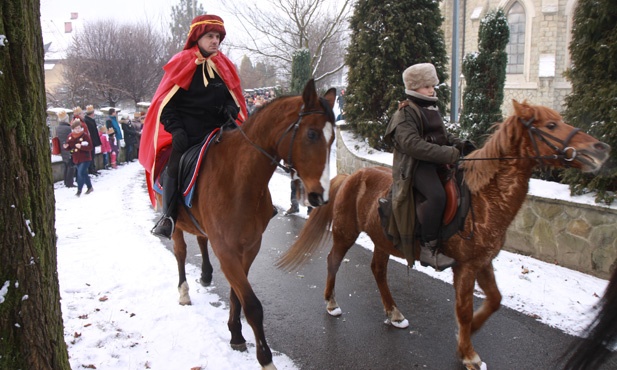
{"x": 205, "y": 283}
{"x": 475, "y": 363}
{"x": 270, "y": 366}
{"x": 185, "y": 298}
{"x": 336, "y": 311}
{"x": 241, "y": 347}
{"x": 401, "y": 324}
{"x": 482, "y": 366}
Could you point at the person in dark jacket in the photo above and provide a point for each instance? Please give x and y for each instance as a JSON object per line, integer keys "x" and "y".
{"x": 130, "y": 137}
{"x": 80, "y": 145}
{"x": 62, "y": 132}
{"x": 422, "y": 146}
{"x": 197, "y": 108}
{"x": 94, "y": 135}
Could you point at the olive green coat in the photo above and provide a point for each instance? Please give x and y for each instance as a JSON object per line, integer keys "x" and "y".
{"x": 405, "y": 134}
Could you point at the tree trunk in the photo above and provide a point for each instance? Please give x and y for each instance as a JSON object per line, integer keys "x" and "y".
{"x": 31, "y": 329}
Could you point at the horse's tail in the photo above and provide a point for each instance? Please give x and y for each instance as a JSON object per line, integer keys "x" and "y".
{"x": 314, "y": 233}
{"x": 591, "y": 351}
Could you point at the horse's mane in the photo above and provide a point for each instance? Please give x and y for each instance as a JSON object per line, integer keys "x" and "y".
{"x": 478, "y": 173}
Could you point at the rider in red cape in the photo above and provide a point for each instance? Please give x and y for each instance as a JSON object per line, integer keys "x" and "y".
{"x": 181, "y": 72}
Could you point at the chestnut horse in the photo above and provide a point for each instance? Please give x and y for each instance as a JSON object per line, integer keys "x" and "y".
{"x": 232, "y": 204}
{"x": 498, "y": 188}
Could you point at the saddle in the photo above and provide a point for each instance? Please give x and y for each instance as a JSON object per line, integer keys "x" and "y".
{"x": 458, "y": 203}
{"x": 188, "y": 170}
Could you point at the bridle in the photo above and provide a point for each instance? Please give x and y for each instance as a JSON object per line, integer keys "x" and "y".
{"x": 288, "y": 166}
{"x": 566, "y": 153}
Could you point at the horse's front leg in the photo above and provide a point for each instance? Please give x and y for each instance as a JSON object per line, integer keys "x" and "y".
{"x": 492, "y": 302}
{"x": 340, "y": 246}
{"x": 379, "y": 266}
{"x": 206, "y": 266}
{"x": 180, "y": 253}
{"x": 464, "y": 281}
{"x": 243, "y": 297}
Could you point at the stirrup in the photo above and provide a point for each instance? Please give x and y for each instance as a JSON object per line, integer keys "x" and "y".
{"x": 164, "y": 228}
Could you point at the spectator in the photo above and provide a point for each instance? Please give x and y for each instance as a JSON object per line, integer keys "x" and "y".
{"x": 341, "y": 100}
{"x": 198, "y": 93}
{"x": 80, "y": 145}
{"x": 130, "y": 138}
{"x": 94, "y": 135}
{"x": 63, "y": 131}
{"x": 115, "y": 137}
{"x": 105, "y": 147}
{"x": 296, "y": 185}
{"x": 137, "y": 125}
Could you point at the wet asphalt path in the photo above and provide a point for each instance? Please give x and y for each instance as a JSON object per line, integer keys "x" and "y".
{"x": 297, "y": 324}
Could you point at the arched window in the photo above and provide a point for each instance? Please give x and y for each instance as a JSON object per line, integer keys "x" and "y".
{"x": 516, "y": 45}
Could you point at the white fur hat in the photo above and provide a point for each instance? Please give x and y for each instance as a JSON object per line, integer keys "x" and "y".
{"x": 419, "y": 75}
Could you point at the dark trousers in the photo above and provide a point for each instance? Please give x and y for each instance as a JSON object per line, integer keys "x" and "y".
{"x": 69, "y": 173}
{"x": 129, "y": 149}
{"x": 432, "y": 202}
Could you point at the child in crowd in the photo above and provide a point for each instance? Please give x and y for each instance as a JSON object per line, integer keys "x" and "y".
{"x": 105, "y": 147}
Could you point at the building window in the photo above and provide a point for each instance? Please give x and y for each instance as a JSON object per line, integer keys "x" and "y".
{"x": 516, "y": 45}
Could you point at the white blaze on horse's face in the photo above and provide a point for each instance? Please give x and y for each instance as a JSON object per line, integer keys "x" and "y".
{"x": 328, "y": 133}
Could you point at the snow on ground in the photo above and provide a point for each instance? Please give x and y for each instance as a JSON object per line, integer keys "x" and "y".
{"x": 118, "y": 284}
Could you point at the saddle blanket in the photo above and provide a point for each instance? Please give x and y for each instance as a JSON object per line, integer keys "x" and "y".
{"x": 190, "y": 164}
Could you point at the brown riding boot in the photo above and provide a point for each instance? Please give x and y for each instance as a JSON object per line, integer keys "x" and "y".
{"x": 431, "y": 256}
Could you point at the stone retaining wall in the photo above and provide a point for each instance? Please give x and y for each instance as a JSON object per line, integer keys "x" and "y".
{"x": 577, "y": 236}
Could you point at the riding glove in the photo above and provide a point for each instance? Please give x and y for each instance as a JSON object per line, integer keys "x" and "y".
{"x": 179, "y": 141}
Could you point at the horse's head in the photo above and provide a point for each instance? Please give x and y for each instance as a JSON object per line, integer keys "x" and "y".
{"x": 556, "y": 142}
{"x": 306, "y": 147}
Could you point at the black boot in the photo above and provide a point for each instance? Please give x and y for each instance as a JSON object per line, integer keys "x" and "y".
{"x": 166, "y": 224}
{"x": 431, "y": 256}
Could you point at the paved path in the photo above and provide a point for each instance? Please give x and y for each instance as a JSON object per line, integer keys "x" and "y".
{"x": 297, "y": 324}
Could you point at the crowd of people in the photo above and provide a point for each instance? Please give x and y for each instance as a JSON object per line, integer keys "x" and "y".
{"x": 81, "y": 139}
{"x": 256, "y": 100}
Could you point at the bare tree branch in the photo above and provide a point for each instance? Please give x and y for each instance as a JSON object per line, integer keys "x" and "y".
{"x": 275, "y": 29}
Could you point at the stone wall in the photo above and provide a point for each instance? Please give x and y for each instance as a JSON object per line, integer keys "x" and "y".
{"x": 577, "y": 236}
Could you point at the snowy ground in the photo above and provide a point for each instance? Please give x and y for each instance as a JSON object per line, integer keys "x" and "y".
{"x": 118, "y": 286}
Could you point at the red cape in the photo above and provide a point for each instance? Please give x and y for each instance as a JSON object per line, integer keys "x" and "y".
{"x": 178, "y": 74}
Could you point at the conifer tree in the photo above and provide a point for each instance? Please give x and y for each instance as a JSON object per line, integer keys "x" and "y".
{"x": 385, "y": 40}
{"x": 485, "y": 75}
{"x": 300, "y": 70}
{"x": 591, "y": 104}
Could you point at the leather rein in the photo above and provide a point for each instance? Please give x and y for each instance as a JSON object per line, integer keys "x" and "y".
{"x": 288, "y": 167}
{"x": 566, "y": 153}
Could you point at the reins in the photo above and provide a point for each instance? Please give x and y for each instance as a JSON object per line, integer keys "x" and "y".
{"x": 293, "y": 128}
{"x": 567, "y": 154}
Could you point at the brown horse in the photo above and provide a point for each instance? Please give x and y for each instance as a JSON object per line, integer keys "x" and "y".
{"x": 498, "y": 188}
{"x": 232, "y": 204}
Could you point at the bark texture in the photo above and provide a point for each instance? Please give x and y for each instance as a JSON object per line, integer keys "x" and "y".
{"x": 31, "y": 328}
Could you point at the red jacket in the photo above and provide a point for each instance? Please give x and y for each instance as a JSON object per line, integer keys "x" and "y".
{"x": 84, "y": 152}
{"x": 105, "y": 146}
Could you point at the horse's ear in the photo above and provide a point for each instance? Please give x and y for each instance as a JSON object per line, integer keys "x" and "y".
{"x": 523, "y": 110}
{"x": 309, "y": 95}
{"x": 330, "y": 96}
